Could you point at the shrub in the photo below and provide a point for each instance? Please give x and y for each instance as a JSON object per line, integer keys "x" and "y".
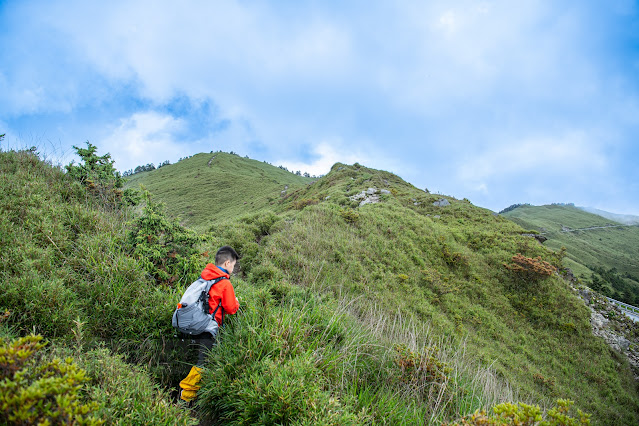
{"x": 530, "y": 269}
{"x": 422, "y": 373}
{"x": 126, "y": 393}
{"x": 521, "y": 414}
{"x": 350, "y": 216}
{"x": 300, "y": 204}
{"x": 165, "y": 248}
{"x": 41, "y": 392}
{"x": 100, "y": 177}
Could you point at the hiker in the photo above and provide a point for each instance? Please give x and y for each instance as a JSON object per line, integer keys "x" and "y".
{"x": 221, "y": 301}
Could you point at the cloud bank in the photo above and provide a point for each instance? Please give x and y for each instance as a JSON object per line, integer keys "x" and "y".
{"x": 499, "y": 102}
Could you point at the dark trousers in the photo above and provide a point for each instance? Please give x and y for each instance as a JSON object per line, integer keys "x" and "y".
{"x": 204, "y": 342}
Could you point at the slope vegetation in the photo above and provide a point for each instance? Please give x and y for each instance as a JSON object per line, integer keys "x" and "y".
{"x": 366, "y": 238}
{"x": 603, "y": 253}
{"x": 364, "y": 301}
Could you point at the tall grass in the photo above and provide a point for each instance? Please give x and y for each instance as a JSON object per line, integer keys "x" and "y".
{"x": 289, "y": 357}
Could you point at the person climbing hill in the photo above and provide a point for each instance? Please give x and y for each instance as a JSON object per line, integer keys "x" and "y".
{"x": 221, "y": 301}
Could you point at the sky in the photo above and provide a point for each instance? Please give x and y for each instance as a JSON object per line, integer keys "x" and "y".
{"x": 499, "y": 102}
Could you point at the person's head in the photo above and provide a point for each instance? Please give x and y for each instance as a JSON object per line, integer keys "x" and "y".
{"x": 226, "y": 258}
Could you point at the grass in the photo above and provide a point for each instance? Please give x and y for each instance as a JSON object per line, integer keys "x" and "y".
{"x": 609, "y": 248}
{"x": 216, "y": 185}
{"x": 400, "y": 312}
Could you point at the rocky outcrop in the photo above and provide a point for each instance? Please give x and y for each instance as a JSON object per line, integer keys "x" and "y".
{"x": 370, "y": 196}
{"x": 538, "y": 237}
{"x": 613, "y": 326}
{"x": 441, "y": 203}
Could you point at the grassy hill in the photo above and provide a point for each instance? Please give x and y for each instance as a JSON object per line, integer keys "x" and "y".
{"x": 626, "y": 219}
{"x": 364, "y": 299}
{"x": 206, "y": 187}
{"x": 608, "y": 253}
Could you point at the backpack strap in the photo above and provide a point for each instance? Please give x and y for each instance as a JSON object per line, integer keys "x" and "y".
{"x": 204, "y": 297}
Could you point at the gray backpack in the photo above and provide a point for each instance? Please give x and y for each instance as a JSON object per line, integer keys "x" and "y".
{"x": 192, "y": 314}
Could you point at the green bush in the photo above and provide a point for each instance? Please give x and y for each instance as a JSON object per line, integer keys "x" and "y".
{"x": 99, "y": 176}
{"x": 35, "y": 390}
{"x": 126, "y": 393}
{"x": 165, "y": 248}
{"x": 521, "y": 414}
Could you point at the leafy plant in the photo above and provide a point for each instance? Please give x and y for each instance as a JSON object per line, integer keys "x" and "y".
{"x": 165, "y": 248}
{"x": 41, "y": 392}
{"x": 99, "y": 176}
{"x": 530, "y": 269}
{"x": 521, "y": 414}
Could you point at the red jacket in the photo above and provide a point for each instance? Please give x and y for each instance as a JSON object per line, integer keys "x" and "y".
{"x": 223, "y": 291}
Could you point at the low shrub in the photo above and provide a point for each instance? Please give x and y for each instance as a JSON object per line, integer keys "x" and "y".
{"x": 165, "y": 248}
{"x": 35, "y": 390}
{"x": 530, "y": 269}
{"x": 521, "y": 414}
{"x": 350, "y": 216}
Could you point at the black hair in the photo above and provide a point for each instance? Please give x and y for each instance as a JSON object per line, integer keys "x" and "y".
{"x": 225, "y": 253}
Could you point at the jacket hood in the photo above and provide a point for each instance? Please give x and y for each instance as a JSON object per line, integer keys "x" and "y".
{"x": 212, "y": 272}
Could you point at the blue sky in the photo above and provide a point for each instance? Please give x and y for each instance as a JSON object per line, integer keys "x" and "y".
{"x": 500, "y": 102}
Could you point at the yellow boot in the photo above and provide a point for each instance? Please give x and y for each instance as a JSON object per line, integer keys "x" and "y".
{"x": 190, "y": 384}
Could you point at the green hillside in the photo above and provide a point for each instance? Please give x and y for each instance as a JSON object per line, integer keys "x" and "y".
{"x": 607, "y": 254}
{"x": 364, "y": 300}
{"x": 207, "y": 187}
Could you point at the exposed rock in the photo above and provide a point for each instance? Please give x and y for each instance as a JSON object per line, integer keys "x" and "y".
{"x": 327, "y": 197}
{"x": 385, "y": 182}
{"x": 358, "y": 196}
{"x": 368, "y": 197}
{"x": 568, "y": 275}
{"x": 598, "y": 322}
{"x": 538, "y": 237}
{"x": 441, "y": 203}
{"x": 436, "y": 216}
{"x": 609, "y": 323}
{"x": 416, "y": 204}
{"x": 385, "y": 191}
{"x": 211, "y": 160}
{"x": 370, "y": 200}
{"x": 340, "y": 168}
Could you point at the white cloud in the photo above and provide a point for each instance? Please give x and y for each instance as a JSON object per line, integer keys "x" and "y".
{"x": 328, "y": 153}
{"x": 570, "y": 154}
{"x": 423, "y": 81}
{"x": 147, "y": 137}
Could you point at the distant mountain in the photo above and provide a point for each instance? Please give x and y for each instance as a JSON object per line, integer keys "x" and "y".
{"x": 210, "y": 187}
{"x": 601, "y": 251}
{"x": 626, "y": 219}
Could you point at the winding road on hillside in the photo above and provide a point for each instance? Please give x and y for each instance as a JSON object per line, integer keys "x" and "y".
{"x": 597, "y": 227}
{"x": 629, "y": 310}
